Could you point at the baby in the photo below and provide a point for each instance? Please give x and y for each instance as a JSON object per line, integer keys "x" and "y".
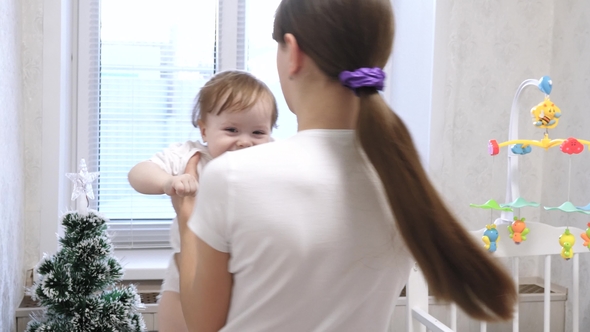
{"x": 234, "y": 110}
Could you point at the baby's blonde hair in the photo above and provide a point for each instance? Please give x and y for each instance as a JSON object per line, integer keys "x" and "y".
{"x": 233, "y": 91}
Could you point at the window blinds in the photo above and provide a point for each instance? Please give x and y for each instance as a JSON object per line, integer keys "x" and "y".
{"x": 153, "y": 57}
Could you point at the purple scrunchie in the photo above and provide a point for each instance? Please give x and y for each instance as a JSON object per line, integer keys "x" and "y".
{"x": 363, "y": 78}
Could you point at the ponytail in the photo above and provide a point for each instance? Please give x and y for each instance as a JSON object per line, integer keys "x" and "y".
{"x": 344, "y": 35}
{"x": 455, "y": 267}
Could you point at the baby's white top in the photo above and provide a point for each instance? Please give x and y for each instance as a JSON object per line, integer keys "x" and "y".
{"x": 312, "y": 240}
{"x": 173, "y": 161}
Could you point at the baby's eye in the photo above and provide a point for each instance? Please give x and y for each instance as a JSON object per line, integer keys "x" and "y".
{"x": 231, "y": 130}
{"x": 259, "y": 132}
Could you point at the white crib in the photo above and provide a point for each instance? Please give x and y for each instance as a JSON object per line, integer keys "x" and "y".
{"x": 542, "y": 242}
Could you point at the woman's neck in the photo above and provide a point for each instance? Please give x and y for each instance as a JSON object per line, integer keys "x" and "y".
{"x": 326, "y": 105}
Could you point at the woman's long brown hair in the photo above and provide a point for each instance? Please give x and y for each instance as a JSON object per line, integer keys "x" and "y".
{"x": 350, "y": 34}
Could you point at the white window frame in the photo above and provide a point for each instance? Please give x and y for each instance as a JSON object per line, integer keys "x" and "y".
{"x": 64, "y": 142}
{"x": 56, "y": 158}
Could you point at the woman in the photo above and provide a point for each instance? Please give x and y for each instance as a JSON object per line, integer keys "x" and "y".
{"x": 318, "y": 232}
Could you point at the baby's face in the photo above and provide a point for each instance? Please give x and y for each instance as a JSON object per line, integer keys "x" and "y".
{"x": 231, "y": 131}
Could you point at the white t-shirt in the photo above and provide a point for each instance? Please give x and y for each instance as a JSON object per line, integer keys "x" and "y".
{"x": 173, "y": 161}
{"x": 312, "y": 240}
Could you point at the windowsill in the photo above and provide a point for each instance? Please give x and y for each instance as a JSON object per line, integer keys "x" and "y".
{"x": 147, "y": 264}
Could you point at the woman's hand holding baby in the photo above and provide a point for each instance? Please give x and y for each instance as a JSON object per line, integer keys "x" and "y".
{"x": 184, "y": 203}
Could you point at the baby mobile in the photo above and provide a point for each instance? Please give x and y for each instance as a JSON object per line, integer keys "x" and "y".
{"x": 546, "y": 115}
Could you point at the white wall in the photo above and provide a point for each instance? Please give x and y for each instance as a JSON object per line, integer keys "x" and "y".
{"x": 11, "y": 163}
{"x": 409, "y": 82}
{"x": 46, "y": 67}
{"x": 32, "y": 68}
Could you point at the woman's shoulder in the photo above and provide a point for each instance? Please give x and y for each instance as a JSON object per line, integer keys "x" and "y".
{"x": 251, "y": 160}
{"x": 258, "y": 155}
{"x": 307, "y": 150}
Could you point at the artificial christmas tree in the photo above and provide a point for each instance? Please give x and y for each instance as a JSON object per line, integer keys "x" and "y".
{"x": 77, "y": 285}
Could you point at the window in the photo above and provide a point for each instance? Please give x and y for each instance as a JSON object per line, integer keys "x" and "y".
{"x": 141, "y": 64}
{"x": 261, "y": 57}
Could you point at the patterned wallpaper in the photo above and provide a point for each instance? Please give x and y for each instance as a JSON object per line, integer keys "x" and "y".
{"x": 570, "y": 70}
{"x": 492, "y": 47}
{"x": 11, "y": 163}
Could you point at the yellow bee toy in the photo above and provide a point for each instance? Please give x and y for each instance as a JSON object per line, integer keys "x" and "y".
{"x": 546, "y": 114}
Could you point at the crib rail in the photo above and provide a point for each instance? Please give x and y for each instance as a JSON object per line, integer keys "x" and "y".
{"x": 418, "y": 318}
{"x": 542, "y": 242}
{"x": 431, "y": 323}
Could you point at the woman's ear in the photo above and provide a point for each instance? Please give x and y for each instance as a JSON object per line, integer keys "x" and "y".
{"x": 295, "y": 55}
{"x": 203, "y": 129}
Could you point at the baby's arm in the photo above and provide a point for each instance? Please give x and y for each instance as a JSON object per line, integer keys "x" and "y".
{"x": 148, "y": 178}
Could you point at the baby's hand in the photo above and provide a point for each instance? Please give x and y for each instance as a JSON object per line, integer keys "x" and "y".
{"x": 181, "y": 185}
